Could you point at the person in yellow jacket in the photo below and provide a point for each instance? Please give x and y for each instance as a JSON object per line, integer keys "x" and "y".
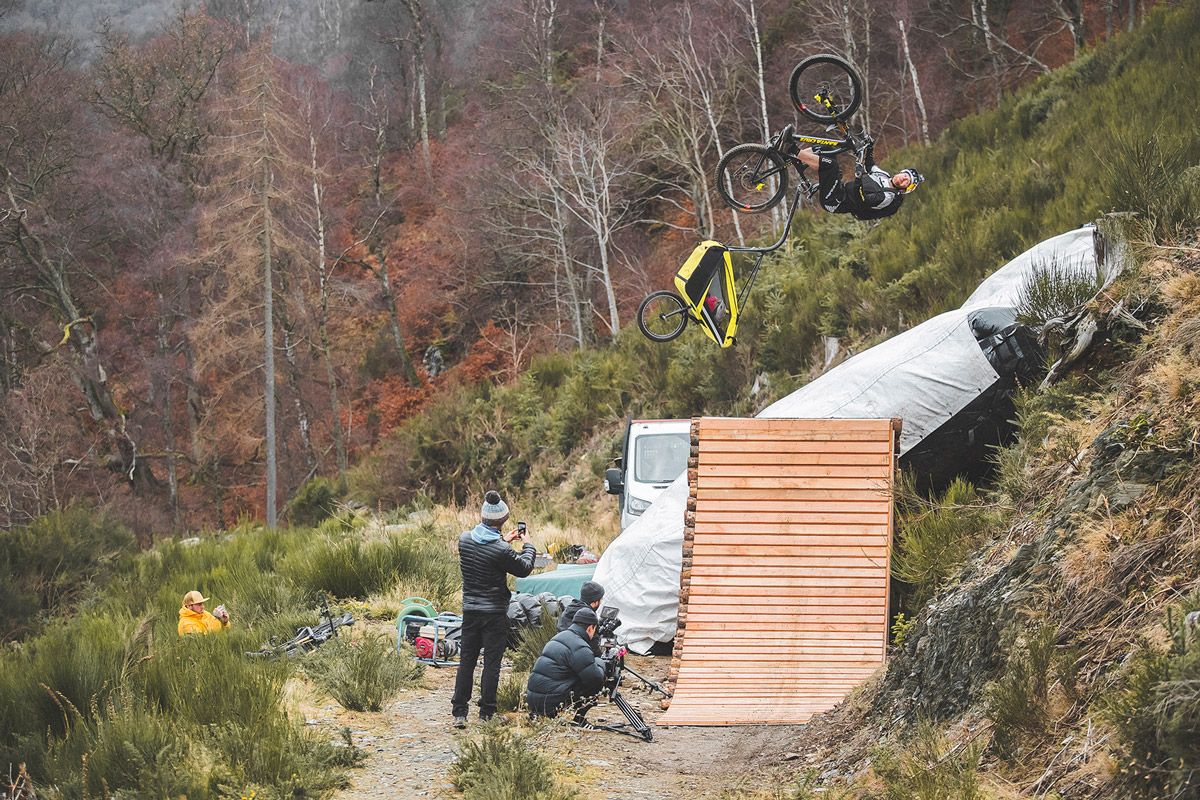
{"x": 194, "y": 619}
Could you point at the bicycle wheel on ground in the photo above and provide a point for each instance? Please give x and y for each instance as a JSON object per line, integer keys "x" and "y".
{"x": 661, "y": 316}
{"x": 825, "y": 88}
{"x": 752, "y": 178}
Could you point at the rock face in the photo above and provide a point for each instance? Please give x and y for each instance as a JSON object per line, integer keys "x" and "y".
{"x": 955, "y": 648}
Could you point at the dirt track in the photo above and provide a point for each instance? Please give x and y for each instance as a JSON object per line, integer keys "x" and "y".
{"x": 410, "y": 746}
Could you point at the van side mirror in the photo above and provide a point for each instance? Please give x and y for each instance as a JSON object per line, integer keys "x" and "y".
{"x": 614, "y": 483}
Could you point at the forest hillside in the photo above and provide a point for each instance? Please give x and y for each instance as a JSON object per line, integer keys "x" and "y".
{"x": 245, "y": 243}
{"x": 162, "y": 193}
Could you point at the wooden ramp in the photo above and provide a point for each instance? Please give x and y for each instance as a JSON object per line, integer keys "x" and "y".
{"x": 784, "y": 587}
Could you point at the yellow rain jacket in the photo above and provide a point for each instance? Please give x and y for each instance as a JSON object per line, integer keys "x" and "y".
{"x": 197, "y": 622}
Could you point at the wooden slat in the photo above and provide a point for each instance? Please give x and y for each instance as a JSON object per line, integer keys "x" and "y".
{"x": 785, "y": 568}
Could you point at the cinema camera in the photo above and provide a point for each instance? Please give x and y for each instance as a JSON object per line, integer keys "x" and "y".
{"x": 613, "y": 656}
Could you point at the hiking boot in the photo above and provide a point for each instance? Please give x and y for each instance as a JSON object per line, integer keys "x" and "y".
{"x": 460, "y": 722}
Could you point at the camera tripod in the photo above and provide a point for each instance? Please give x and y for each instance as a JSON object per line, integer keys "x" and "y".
{"x": 636, "y": 726}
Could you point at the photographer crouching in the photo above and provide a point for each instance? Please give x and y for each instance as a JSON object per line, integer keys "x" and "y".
{"x": 568, "y": 672}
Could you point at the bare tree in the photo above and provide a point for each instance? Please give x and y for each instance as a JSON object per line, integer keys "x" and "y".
{"x": 754, "y": 34}
{"x": 252, "y": 226}
{"x": 901, "y": 15}
{"x": 43, "y": 216}
{"x": 688, "y": 99}
{"x": 593, "y": 176}
{"x": 1071, "y": 14}
{"x": 416, "y": 37}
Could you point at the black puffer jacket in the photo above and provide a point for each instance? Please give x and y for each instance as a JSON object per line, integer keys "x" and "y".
{"x": 567, "y": 667}
{"x": 568, "y": 615}
{"x": 485, "y": 568}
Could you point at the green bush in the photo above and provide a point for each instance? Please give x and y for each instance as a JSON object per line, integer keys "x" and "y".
{"x": 56, "y": 562}
{"x": 362, "y": 675}
{"x": 1156, "y": 711}
{"x": 314, "y": 502}
{"x": 1054, "y": 289}
{"x": 112, "y": 702}
{"x": 511, "y": 693}
{"x": 501, "y": 764}
{"x": 1017, "y": 703}
{"x": 349, "y": 566}
{"x": 927, "y": 767}
{"x": 936, "y": 537}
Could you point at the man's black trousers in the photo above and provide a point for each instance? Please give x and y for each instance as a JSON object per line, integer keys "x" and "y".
{"x": 488, "y": 632}
{"x": 833, "y": 191}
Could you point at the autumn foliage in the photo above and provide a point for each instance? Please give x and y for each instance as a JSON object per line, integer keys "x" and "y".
{"x": 434, "y": 199}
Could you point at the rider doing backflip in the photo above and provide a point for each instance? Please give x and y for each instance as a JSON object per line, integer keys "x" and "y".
{"x": 873, "y": 195}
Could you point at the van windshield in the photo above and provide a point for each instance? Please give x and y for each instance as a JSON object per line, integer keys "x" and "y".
{"x": 660, "y": 457}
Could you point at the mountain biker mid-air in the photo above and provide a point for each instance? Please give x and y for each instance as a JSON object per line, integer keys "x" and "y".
{"x": 874, "y": 194}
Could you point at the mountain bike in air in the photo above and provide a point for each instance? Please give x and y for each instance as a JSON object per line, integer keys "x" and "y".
{"x": 752, "y": 178}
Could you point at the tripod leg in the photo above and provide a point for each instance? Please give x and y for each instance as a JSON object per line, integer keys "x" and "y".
{"x": 631, "y": 714}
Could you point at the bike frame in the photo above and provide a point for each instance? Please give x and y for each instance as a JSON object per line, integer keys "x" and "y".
{"x": 760, "y": 252}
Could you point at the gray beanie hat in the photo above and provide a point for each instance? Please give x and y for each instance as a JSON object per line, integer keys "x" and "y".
{"x": 590, "y": 592}
{"x": 494, "y": 509}
{"x": 585, "y": 616}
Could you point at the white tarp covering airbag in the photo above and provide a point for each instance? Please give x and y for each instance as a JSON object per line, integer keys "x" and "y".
{"x": 924, "y": 375}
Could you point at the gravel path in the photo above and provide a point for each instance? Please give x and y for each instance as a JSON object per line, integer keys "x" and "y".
{"x": 410, "y": 746}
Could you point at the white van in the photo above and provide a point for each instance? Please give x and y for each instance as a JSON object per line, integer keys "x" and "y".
{"x": 655, "y": 454}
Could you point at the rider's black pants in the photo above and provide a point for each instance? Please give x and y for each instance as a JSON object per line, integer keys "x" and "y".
{"x": 830, "y": 186}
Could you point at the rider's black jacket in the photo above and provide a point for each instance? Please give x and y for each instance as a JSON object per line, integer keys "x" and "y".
{"x": 566, "y": 668}
{"x": 485, "y": 567}
{"x": 872, "y": 196}
{"x": 868, "y": 197}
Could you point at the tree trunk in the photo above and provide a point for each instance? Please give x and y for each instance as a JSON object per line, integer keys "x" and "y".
{"x": 268, "y": 328}
{"x": 80, "y": 333}
{"x": 564, "y": 254}
{"x": 614, "y": 322}
{"x": 339, "y": 439}
{"x": 599, "y": 37}
{"x": 418, "y": 20}
{"x": 166, "y": 411}
{"x": 389, "y": 299}
{"x": 756, "y": 40}
{"x": 912, "y": 70}
{"x": 1071, "y": 12}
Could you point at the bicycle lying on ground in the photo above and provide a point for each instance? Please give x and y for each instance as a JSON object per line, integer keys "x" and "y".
{"x": 752, "y": 178}
{"x": 308, "y": 637}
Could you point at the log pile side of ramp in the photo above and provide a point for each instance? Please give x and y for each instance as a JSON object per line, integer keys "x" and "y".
{"x": 784, "y": 586}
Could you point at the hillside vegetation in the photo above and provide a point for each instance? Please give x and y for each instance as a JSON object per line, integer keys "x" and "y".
{"x": 1051, "y": 657}
{"x": 1103, "y": 133}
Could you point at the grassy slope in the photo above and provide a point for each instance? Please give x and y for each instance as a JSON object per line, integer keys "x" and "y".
{"x": 1000, "y": 181}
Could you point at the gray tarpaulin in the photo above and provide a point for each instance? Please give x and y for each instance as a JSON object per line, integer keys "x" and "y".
{"x": 924, "y": 375}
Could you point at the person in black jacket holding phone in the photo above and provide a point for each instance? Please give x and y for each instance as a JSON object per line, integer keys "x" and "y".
{"x": 487, "y": 559}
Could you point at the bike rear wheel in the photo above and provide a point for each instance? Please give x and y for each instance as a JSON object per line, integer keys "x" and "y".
{"x": 826, "y": 88}
{"x": 752, "y": 178}
{"x": 661, "y": 316}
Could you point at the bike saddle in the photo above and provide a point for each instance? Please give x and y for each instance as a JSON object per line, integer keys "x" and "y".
{"x": 786, "y": 144}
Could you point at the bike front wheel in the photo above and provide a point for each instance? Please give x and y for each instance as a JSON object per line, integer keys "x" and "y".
{"x": 826, "y": 88}
{"x": 752, "y": 178}
{"x": 661, "y": 316}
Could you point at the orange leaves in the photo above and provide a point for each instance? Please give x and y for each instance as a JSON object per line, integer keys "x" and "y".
{"x": 389, "y": 401}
